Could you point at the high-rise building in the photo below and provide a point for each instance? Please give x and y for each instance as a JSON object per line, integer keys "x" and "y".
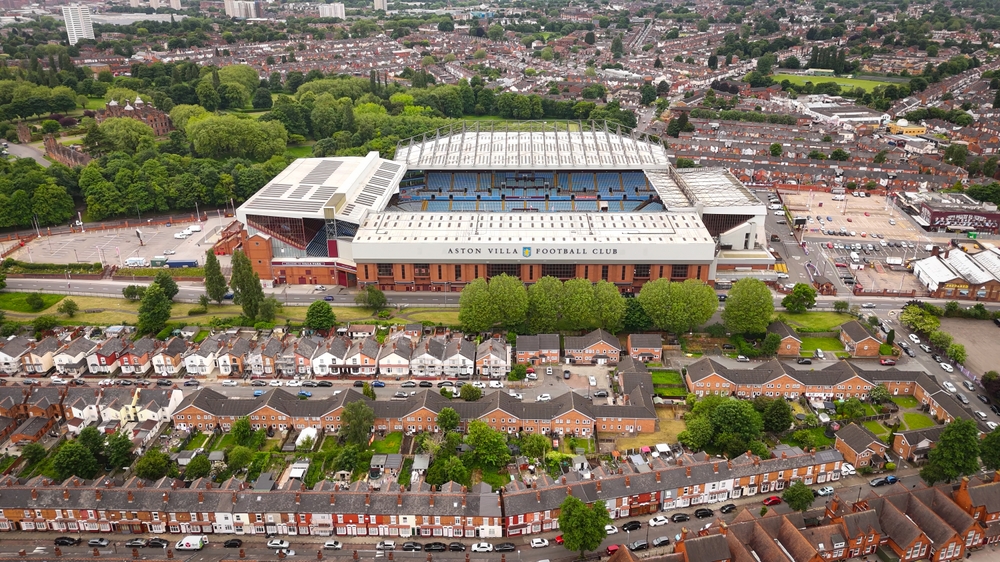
{"x": 382, "y": 5}
{"x": 175, "y": 4}
{"x": 78, "y": 23}
{"x": 154, "y": 4}
{"x": 240, "y": 9}
{"x": 133, "y": 3}
{"x": 335, "y": 10}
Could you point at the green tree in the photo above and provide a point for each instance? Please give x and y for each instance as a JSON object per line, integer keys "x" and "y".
{"x": 470, "y": 393}
{"x": 647, "y": 93}
{"x": 215, "y": 282}
{"x": 262, "y": 99}
{"x": 35, "y": 301}
{"x": 535, "y": 446}
{"x": 152, "y": 465}
{"x": 713, "y": 62}
{"x": 989, "y": 450}
{"x": 798, "y": 496}
{"x": 840, "y": 155}
{"x": 358, "y": 418}
{"x": 919, "y": 319}
{"x": 33, "y": 453}
{"x": 448, "y": 419}
{"x": 245, "y": 283}
{"x": 851, "y": 408}
{"x": 489, "y": 445}
{"x": 802, "y": 298}
{"x": 495, "y": 32}
{"x": 268, "y": 309}
{"x": 475, "y": 310}
{"x": 167, "y": 283}
{"x": 544, "y": 305}
{"x": 44, "y": 323}
{"x": 93, "y": 440}
{"x": 118, "y": 134}
{"x": 319, "y": 316}
{"x": 73, "y": 459}
{"x": 68, "y": 307}
{"x": 879, "y": 394}
{"x": 991, "y": 382}
{"x": 749, "y": 307}
{"x": 241, "y": 431}
{"x": 636, "y": 319}
{"x": 368, "y": 390}
{"x": 154, "y": 310}
{"x": 841, "y": 306}
{"x": 208, "y": 96}
{"x": 776, "y": 149}
{"x": 940, "y": 339}
{"x": 119, "y": 450}
{"x": 609, "y": 306}
{"x": 698, "y": 433}
{"x": 198, "y": 467}
{"x": 239, "y": 457}
{"x": 956, "y": 453}
{"x": 372, "y": 298}
{"x": 578, "y": 304}
{"x": 678, "y": 307}
{"x": 957, "y": 353}
{"x": 616, "y": 46}
{"x": 737, "y": 417}
{"x": 583, "y": 527}
{"x": 777, "y": 417}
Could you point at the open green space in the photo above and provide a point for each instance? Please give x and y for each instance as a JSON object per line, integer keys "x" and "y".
{"x": 226, "y": 441}
{"x": 44, "y": 466}
{"x": 819, "y": 439}
{"x": 845, "y": 83}
{"x": 668, "y": 430}
{"x": 826, "y": 344}
{"x": 905, "y": 401}
{"x": 16, "y": 302}
{"x": 569, "y": 445}
{"x": 388, "y": 445}
{"x": 918, "y": 421}
{"x": 878, "y": 429}
{"x": 488, "y": 474}
{"x": 301, "y": 151}
{"x": 668, "y": 392}
{"x": 197, "y": 441}
{"x": 815, "y": 321}
{"x": 667, "y": 377}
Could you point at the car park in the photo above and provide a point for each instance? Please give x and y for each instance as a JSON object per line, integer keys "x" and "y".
{"x": 333, "y": 545}
{"x": 703, "y": 512}
{"x": 539, "y": 543}
{"x": 233, "y": 543}
{"x": 661, "y": 541}
{"x": 632, "y": 526}
{"x": 658, "y": 520}
{"x": 772, "y": 500}
{"x": 277, "y": 543}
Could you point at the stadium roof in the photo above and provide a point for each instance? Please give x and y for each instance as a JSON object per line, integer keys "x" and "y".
{"x": 709, "y": 188}
{"x": 345, "y": 188}
{"x": 532, "y": 145}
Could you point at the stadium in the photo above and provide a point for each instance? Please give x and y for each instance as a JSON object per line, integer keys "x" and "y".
{"x": 569, "y": 200}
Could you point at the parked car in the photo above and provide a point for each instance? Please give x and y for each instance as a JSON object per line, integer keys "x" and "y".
{"x": 435, "y": 547}
{"x": 947, "y": 384}
{"x": 613, "y": 549}
{"x": 914, "y": 339}
{"x": 284, "y": 551}
{"x": 412, "y": 546}
{"x": 456, "y": 547}
{"x": 67, "y": 541}
{"x": 680, "y": 517}
{"x": 609, "y": 529}
{"x": 408, "y": 384}
{"x": 324, "y": 384}
{"x": 983, "y": 398}
{"x": 728, "y": 508}
{"x": 277, "y": 543}
{"x": 992, "y": 425}
{"x": 632, "y": 526}
{"x": 883, "y": 481}
{"x": 101, "y": 542}
{"x": 310, "y": 384}
{"x": 137, "y": 543}
{"x": 505, "y": 547}
{"x": 601, "y": 394}
{"x": 233, "y": 543}
{"x": 909, "y": 352}
{"x": 255, "y": 382}
{"x": 961, "y": 398}
{"x": 539, "y": 543}
{"x": 925, "y": 347}
{"x": 157, "y": 542}
{"x": 848, "y": 469}
{"x": 378, "y": 384}
{"x": 482, "y": 547}
{"x": 772, "y": 500}
{"x": 305, "y": 394}
{"x": 968, "y": 385}
{"x": 703, "y": 512}
{"x": 742, "y": 359}
{"x": 658, "y": 520}
{"x": 229, "y": 382}
{"x": 638, "y": 545}
{"x": 386, "y": 545}
{"x": 661, "y": 541}
{"x": 543, "y": 398}
{"x": 332, "y": 545}
{"x": 887, "y": 361}
{"x": 445, "y": 383}
{"x": 825, "y": 491}
{"x": 359, "y": 384}
{"x": 804, "y": 361}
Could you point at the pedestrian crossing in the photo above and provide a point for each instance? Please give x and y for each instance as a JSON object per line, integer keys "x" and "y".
{"x": 781, "y": 268}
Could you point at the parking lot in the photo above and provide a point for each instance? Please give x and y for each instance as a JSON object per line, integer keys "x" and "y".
{"x": 854, "y": 214}
{"x": 116, "y": 246}
{"x": 876, "y": 273}
{"x": 980, "y": 340}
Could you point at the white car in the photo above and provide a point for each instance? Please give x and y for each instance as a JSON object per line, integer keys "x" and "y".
{"x": 543, "y": 398}
{"x": 848, "y": 469}
{"x": 539, "y": 543}
{"x": 277, "y": 543}
{"x": 610, "y": 529}
{"x": 57, "y": 380}
{"x": 482, "y": 547}
{"x": 825, "y": 491}
{"x": 182, "y": 235}
{"x": 531, "y": 377}
{"x": 320, "y": 288}
{"x": 106, "y": 382}
{"x": 229, "y": 382}
{"x": 275, "y": 382}
{"x": 285, "y": 551}
{"x": 194, "y": 228}
{"x": 332, "y": 545}
{"x": 516, "y": 395}
{"x": 947, "y": 384}
{"x": 992, "y": 425}
{"x": 293, "y": 383}
{"x": 496, "y": 384}
{"x": 782, "y": 275}
{"x": 914, "y": 339}
{"x": 386, "y": 545}
{"x": 658, "y": 520}
{"x": 548, "y": 370}
{"x": 948, "y": 369}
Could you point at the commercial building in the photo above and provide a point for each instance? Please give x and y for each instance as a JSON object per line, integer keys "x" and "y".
{"x": 530, "y": 201}
{"x": 950, "y": 212}
{"x": 241, "y": 9}
{"x": 381, "y": 5}
{"x": 78, "y": 23}
{"x": 335, "y": 10}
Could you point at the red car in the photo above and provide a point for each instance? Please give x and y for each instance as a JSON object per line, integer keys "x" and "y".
{"x": 559, "y": 539}
{"x": 888, "y": 361}
{"x": 773, "y": 500}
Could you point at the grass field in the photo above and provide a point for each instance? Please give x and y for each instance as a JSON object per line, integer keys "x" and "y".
{"x": 95, "y": 103}
{"x": 815, "y": 321}
{"x": 15, "y": 302}
{"x": 905, "y": 401}
{"x": 301, "y": 151}
{"x": 917, "y": 421}
{"x": 389, "y": 445}
{"x": 845, "y": 83}
{"x": 197, "y": 441}
{"x": 437, "y": 316}
{"x": 819, "y": 439}
{"x": 826, "y": 344}
{"x": 667, "y": 377}
{"x": 876, "y": 428}
{"x": 669, "y": 429}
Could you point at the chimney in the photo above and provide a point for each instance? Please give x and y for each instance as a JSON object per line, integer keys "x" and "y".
{"x": 680, "y": 462}
{"x": 964, "y": 484}
{"x": 76, "y": 482}
{"x": 298, "y": 498}
{"x": 431, "y": 503}
{"x": 34, "y": 494}
{"x": 201, "y": 497}
{"x": 538, "y": 497}
{"x": 499, "y": 502}
{"x": 140, "y": 484}
{"x": 399, "y": 500}
{"x": 835, "y": 503}
{"x": 996, "y": 476}
{"x": 569, "y": 491}
{"x": 946, "y": 252}
{"x": 65, "y": 494}
{"x": 689, "y": 472}
{"x": 534, "y": 485}
{"x": 173, "y": 485}
{"x": 784, "y": 455}
{"x": 166, "y": 497}
{"x": 756, "y": 460}
{"x": 628, "y": 481}
{"x": 234, "y": 498}
{"x": 564, "y": 480}
{"x": 131, "y": 498}
{"x": 730, "y": 463}
{"x": 368, "y": 500}
{"x": 598, "y": 486}
{"x": 107, "y": 483}
{"x": 715, "y": 467}
{"x": 97, "y": 495}
{"x": 463, "y": 498}
{"x": 208, "y": 485}
{"x": 333, "y": 499}
{"x": 657, "y": 477}
{"x": 813, "y": 452}
{"x": 723, "y": 528}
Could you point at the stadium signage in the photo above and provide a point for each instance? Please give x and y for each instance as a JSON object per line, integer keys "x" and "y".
{"x": 528, "y": 251}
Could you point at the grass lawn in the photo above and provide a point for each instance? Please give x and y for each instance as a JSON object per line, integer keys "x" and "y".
{"x": 798, "y": 408}
{"x": 435, "y": 315}
{"x": 671, "y": 392}
{"x": 876, "y": 428}
{"x": 15, "y": 302}
{"x": 669, "y": 429}
{"x": 905, "y": 401}
{"x": 847, "y": 83}
{"x": 815, "y": 321}
{"x": 667, "y": 377}
{"x": 489, "y": 475}
{"x": 200, "y": 336}
{"x": 197, "y": 441}
{"x": 826, "y": 344}
{"x": 224, "y": 442}
{"x": 44, "y": 468}
{"x": 818, "y": 438}
{"x": 869, "y": 409}
{"x": 329, "y": 444}
{"x": 96, "y": 103}
{"x": 389, "y": 445}
{"x": 568, "y": 445}
{"x": 271, "y": 444}
{"x": 917, "y": 421}
{"x": 300, "y": 151}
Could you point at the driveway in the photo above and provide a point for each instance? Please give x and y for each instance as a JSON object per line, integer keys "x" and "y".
{"x": 24, "y": 151}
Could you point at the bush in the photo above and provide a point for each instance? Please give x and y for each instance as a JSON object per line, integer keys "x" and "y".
{"x": 890, "y": 466}
{"x": 865, "y": 470}
{"x": 885, "y": 349}
{"x": 716, "y": 330}
{"x": 35, "y": 301}
{"x": 197, "y": 310}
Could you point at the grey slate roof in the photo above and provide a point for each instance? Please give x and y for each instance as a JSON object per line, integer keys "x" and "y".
{"x": 401, "y": 346}
{"x": 856, "y": 331}
{"x": 143, "y": 346}
{"x": 710, "y": 548}
{"x": 79, "y": 346}
{"x": 987, "y": 495}
{"x": 646, "y": 340}
{"x": 857, "y": 437}
{"x": 783, "y": 330}
{"x": 531, "y": 344}
{"x": 585, "y": 341}
{"x": 32, "y": 425}
{"x": 46, "y": 346}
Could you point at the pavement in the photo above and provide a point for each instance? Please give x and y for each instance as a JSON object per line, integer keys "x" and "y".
{"x": 25, "y": 151}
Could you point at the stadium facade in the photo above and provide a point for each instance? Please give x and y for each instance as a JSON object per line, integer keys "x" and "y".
{"x": 568, "y": 200}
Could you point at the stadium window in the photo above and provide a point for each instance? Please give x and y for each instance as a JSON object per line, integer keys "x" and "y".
{"x": 604, "y": 272}
{"x": 623, "y": 273}
{"x": 458, "y": 273}
{"x": 384, "y": 269}
{"x": 586, "y": 272}
{"x": 531, "y": 272}
{"x": 559, "y": 270}
{"x": 512, "y": 269}
{"x": 421, "y": 269}
{"x": 699, "y": 272}
{"x": 309, "y": 272}
{"x": 661, "y": 272}
{"x": 641, "y": 271}
{"x": 366, "y": 272}
{"x": 440, "y": 275}
{"x": 476, "y": 272}
{"x": 402, "y": 271}
{"x": 678, "y": 271}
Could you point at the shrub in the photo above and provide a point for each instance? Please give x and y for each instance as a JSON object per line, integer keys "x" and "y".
{"x": 716, "y": 330}
{"x": 865, "y": 470}
{"x": 197, "y": 310}
{"x": 890, "y": 466}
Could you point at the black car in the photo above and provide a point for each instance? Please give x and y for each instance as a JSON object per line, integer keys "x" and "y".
{"x": 191, "y": 382}
{"x": 233, "y": 543}
{"x": 505, "y": 547}
{"x": 425, "y": 384}
{"x": 995, "y": 409}
{"x": 804, "y": 361}
{"x": 256, "y": 382}
{"x": 638, "y": 545}
{"x": 680, "y": 517}
{"x": 703, "y": 513}
{"x": 722, "y": 298}
{"x": 909, "y": 352}
{"x": 445, "y": 383}
{"x": 77, "y": 382}
{"x": 157, "y": 542}
{"x": 632, "y": 526}
{"x": 434, "y": 547}
{"x": 456, "y": 547}
{"x": 983, "y": 398}
{"x": 728, "y": 508}
{"x": 359, "y": 384}
{"x": 601, "y": 394}
{"x": 411, "y": 546}
{"x": 67, "y": 541}
{"x": 126, "y": 382}
{"x": 137, "y": 543}
{"x": 661, "y": 541}
{"x": 324, "y": 384}
{"x": 937, "y": 358}
{"x": 310, "y": 384}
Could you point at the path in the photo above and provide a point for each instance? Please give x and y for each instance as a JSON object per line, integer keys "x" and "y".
{"x": 27, "y": 151}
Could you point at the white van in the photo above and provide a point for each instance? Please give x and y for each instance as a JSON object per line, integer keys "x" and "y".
{"x": 192, "y": 542}
{"x": 779, "y": 213}
{"x": 854, "y": 257}
{"x": 135, "y": 262}
{"x": 194, "y": 228}
{"x": 839, "y": 198}
{"x": 775, "y": 207}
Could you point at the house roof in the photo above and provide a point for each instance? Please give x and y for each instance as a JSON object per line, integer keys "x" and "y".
{"x": 645, "y": 340}
{"x": 986, "y": 495}
{"x": 855, "y": 331}
{"x": 783, "y": 330}
{"x": 857, "y": 437}
{"x": 32, "y": 425}
{"x": 710, "y": 548}
{"x": 79, "y": 346}
{"x": 915, "y": 436}
{"x": 591, "y": 339}
{"x": 540, "y": 342}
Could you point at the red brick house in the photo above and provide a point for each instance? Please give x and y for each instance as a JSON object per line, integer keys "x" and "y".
{"x": 647, "y": 348}
{"x": 596, "y": 348}
{"x": 858, "y": 341}
{"x": 791, "y": 345}
{"x": 860, "y": 447}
